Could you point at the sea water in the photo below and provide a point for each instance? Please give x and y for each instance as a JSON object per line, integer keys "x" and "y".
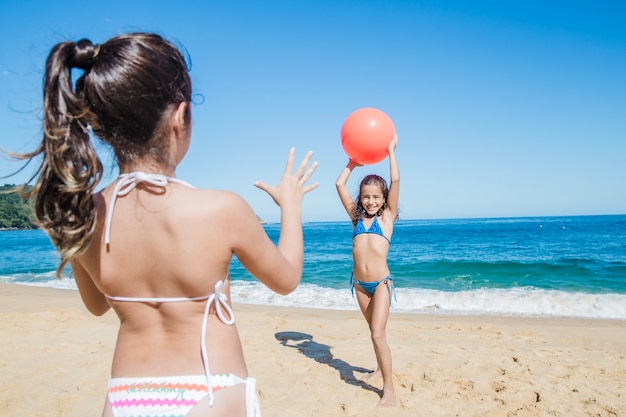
{"x": 535, "y": 266}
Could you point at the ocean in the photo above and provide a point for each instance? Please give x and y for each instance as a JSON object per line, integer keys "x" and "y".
{"x": 571, "y": 266}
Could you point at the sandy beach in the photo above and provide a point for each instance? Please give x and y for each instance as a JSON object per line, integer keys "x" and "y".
{"x": 55, "y": 359}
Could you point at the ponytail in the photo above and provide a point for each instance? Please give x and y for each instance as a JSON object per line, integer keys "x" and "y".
{"x": 129, "y": 87}
{"x": 70, "y": 170}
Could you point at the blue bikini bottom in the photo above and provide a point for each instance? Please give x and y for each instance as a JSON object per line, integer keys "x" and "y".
{"x": 370, "y": 287}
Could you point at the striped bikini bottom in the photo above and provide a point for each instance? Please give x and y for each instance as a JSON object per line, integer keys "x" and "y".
{"x": 172, "y": 395}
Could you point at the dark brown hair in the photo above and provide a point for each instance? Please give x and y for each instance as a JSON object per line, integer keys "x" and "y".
{"x": 129, "y": 86}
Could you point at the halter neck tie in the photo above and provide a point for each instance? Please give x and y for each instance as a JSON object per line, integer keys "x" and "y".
{"x": 126, "y": 183}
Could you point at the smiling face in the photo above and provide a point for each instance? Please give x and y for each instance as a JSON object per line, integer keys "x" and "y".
{"x": 372, "y": 198}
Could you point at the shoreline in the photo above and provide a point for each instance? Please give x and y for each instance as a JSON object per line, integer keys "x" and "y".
{"x": 584, "y": 306}
{"x": 56, "y": 359}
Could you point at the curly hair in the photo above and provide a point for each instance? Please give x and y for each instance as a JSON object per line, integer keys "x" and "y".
{"x": 359, "y": 211}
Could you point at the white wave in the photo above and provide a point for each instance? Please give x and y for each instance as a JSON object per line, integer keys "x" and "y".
{"x": 517, "y": 302}
{"x": 502, "y": 302}
{"x": 514, "y": 302}
{"x": 47, "y": 280}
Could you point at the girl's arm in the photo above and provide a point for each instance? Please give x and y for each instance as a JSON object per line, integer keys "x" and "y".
{"x": 93, "y": 299}
{"x": 344, "y": 194}
{"x": 394, "y": 179}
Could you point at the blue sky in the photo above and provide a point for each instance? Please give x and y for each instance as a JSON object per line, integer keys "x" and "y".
{"x": 502, "y": 108}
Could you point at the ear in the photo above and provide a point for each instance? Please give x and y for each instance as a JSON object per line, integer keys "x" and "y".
{"x": 179, "y": 122}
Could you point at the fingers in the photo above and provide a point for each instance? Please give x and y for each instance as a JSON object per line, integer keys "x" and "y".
{"x": 355, "y": 163}
{"x": 393, "y": 144}
{"x": 310, "y": 188}
{"x": 289, "y": 166}
{"x": 292, "y": 187}
{"x": 305, "y": 177}
{"x": 303, "y": 165}
{"x": 262, "y": 185}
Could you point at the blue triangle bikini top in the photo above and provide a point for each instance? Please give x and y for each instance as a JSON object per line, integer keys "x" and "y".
{"x": 359, "y": 228}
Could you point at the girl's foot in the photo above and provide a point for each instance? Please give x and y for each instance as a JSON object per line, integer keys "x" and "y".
{"x": 370, "y": 376}
{"x": 388, "y": 400}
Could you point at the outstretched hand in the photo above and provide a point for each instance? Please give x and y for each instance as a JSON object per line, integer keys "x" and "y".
{"x": 291, "y": 188}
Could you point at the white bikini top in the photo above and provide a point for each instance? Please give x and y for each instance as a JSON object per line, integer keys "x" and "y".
{"x": 125, "y": 185}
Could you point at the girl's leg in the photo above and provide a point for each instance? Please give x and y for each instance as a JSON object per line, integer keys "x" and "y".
{"x": 107, "y": 412}
{"x": 365, "y": 304}
{"x": 229, "y": 402}
{"x": 378, "y": 326}
{"x": 375, "y": 309}
{"x": 364, "y": 300}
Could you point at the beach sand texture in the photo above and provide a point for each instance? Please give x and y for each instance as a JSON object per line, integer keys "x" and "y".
{"x": 55, "y": 359}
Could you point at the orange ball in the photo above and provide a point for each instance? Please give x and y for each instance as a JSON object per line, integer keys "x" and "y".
{"x": 366, "y": 134}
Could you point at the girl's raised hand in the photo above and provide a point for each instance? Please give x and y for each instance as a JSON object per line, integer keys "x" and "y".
{"x": 291, "y": 187}
{"x": 393, "y": 144}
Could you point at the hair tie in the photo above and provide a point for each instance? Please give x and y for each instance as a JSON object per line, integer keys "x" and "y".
{"x": 96, "y": 51}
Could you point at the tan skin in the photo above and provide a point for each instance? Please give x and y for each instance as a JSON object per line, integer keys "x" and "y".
{"x": 178, "y": 242}
{"x": 369, "y": 254}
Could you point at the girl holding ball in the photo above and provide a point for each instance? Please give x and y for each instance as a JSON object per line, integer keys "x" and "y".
{"x": 373, "y": 215}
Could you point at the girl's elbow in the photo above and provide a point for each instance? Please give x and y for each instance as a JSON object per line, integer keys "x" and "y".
{"x": 289, "y": 285}
{"x": 288, "y": 289}
{"x": 98, "y": 309}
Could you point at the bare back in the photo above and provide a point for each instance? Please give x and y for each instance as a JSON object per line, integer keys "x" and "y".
{"x": 171, "y": 242}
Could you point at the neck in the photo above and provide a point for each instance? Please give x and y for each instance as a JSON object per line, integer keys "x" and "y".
{"x": 149, "y": 169}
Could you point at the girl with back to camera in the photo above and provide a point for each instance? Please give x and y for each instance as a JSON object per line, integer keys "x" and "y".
{"x": 150, "y": 246}
{"x": 373, "y": 215}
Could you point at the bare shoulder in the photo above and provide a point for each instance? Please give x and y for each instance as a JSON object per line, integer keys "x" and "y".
{"x": 217, "y": 196}
{"x": 217, "y": 203}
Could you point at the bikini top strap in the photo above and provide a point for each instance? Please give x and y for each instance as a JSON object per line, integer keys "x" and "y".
{"x": 223, "y": 310}
{"x": 156, "y": 299}
{"x": 126, "y": 183}
{"x": 221, "y": 301}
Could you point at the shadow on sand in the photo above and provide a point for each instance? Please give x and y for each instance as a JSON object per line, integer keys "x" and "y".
{"x": 321, "y": 353}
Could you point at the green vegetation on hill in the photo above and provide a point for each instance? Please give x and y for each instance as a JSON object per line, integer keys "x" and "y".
{"x": 15, "y": 212}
